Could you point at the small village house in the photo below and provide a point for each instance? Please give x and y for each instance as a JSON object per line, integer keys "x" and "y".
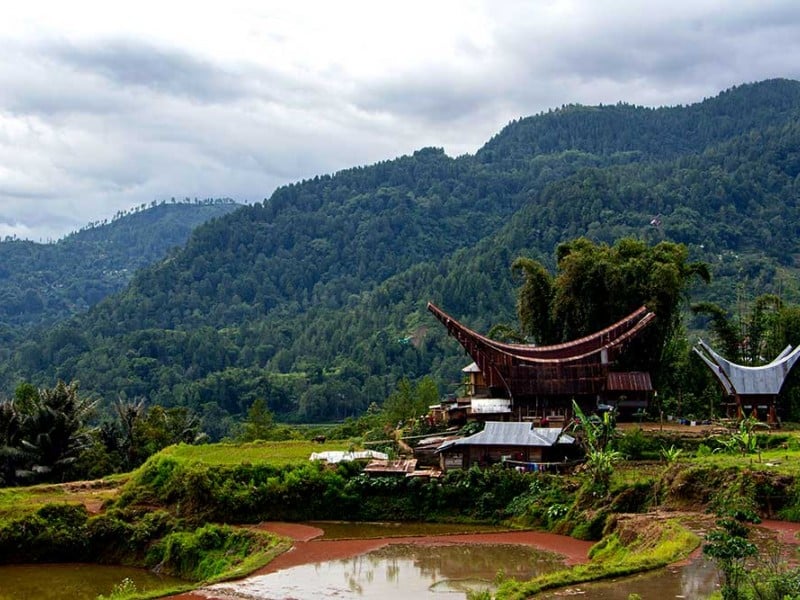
{"x": 519, "y": 444}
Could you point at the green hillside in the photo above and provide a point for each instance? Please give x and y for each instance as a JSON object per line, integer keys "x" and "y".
{"x": 315, "y": 298}
{"x": 44, "y": 283}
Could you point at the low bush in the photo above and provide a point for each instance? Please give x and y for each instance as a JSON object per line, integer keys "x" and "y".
{"x": 54, "y": 533}
{"x": 213, "y": 552}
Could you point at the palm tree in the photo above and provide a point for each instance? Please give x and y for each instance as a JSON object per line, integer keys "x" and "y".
{"x": 54, "y": 431}
{"x": 12, "y": 455}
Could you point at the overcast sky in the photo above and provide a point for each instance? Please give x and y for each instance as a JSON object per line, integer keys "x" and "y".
{"x": 106, "y": 105}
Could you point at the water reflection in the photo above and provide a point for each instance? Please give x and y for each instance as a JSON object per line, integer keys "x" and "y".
{"x": 697, "y": 580}
{"x": 400, "y": 571}
{"x": 76, "y": 581}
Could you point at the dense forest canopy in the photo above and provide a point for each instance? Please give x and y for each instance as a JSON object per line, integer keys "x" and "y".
{"x": 43, "y": 283}
{"x": 314, "y": 299}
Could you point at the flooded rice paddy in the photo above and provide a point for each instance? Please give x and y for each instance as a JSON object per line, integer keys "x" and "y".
{"x": 342, "y": 530}
{"x": 75, "y": 581}
{"x": 694, "y": 581}
{"x": 398, "y": 571}
{"x": 384, "y": 561}
{"x": 390, "y": 561}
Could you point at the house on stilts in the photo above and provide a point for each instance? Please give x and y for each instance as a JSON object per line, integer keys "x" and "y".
{"x": 525, "y": 382}
{"x": 750, "y": 390}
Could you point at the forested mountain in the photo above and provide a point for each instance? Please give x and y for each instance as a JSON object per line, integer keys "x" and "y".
{"x": 44, "y": 283}
{"x": 315, "y": 299}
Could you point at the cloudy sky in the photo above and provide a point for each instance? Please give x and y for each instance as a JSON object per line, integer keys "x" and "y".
{"x": 106, "y": 105}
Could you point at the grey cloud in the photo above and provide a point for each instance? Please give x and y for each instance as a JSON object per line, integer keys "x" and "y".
{"x": 754, "y": 17}
{"x": 161, "y": 69}
{"x": 88, "y": 128}
{"x": 433, "y": 96}
{"x": 32, "y": 83}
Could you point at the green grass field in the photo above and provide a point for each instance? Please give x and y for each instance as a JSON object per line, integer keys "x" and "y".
{"x": 273, "y": 453}
{"x": 783, "y": 461}
{"x": 24, "y": 500}
{"x": 19, "y": 501}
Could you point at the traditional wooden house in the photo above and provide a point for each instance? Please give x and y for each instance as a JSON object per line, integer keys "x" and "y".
{"x": 538, "y": 383}
{"x": 518, "y": 444}
{"x": 750, "y": 390}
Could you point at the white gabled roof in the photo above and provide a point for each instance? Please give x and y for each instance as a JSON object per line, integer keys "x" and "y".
{"x": 488, "y": 406}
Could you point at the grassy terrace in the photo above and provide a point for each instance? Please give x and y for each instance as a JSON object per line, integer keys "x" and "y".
{"x": 783, "y": 461}
{"x": 273, "y": 453}
{"x": 16, "y": 502}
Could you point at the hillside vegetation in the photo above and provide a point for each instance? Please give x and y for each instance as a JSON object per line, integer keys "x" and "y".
{"x": 648, "y": 514}
{"x": 315, "y": 298}
{"x": 41, "y": 284}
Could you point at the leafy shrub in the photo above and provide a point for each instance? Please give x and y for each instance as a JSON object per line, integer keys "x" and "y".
{"x": 54, "y": 533}
{"x": 546, "y": 501}
{"x": 703, "y": 450}
{"x": 635, "y": 445}
{"x": 208, "y": 552}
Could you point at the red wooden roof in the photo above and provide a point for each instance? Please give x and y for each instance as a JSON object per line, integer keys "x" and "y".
{"x": 577, "y": 367}
{"x": 630, "y": 381}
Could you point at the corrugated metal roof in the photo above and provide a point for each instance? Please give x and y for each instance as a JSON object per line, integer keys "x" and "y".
{"x": 512, "y": 434}
{"x": 630, "y": 381}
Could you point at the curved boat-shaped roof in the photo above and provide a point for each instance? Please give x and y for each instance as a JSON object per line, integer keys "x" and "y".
{"x": 576, "y": 367}
{"x": 742, "y": 380}
{"x": 580, "y": 346}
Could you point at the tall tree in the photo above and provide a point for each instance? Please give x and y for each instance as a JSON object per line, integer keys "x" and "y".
{"x": 259, "y": 422}
{"x": 534, "y": 300}
{"x": 12, "y": 454}
{"x": 410, "y": 400}
{"x": 756, "y": 334}
{"x": 598, "y": 284}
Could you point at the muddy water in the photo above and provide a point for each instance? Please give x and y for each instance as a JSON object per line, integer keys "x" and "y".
{"x": 334, "y": 560}
{"x": 696, "y": 581}
{"x": 399, "y": 571}
{"x": 74, "y": 581}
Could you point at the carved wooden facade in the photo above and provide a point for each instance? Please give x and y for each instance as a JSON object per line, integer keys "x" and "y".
{"x": 544, "y": 377}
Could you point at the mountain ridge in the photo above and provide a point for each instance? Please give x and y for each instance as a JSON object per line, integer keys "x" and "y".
{"x": 314, "y": 299}
{"x": 42, "y": 283}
